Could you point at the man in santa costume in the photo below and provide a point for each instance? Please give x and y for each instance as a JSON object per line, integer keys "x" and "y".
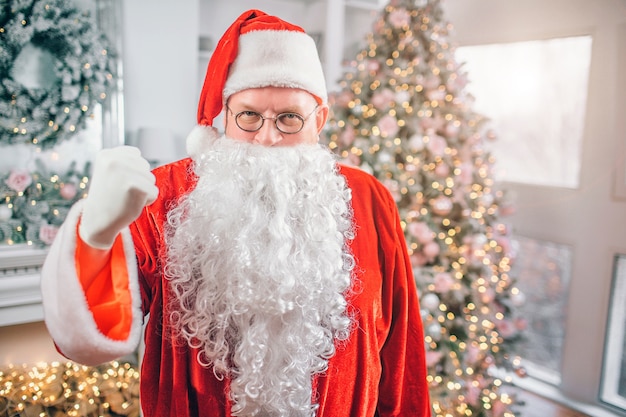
{"x": 273, "y": 281}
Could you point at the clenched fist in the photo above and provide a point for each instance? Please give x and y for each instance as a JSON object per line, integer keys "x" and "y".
{"x": 121, "y": 186}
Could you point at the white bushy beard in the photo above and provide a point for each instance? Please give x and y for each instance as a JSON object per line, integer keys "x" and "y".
{"x": 259, "y": 266}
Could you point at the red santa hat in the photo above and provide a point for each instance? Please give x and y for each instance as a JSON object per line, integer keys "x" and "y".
{"x": 259, "y": 50}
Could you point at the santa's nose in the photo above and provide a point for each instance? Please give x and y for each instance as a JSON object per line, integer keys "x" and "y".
{"x": 268, "y": 134}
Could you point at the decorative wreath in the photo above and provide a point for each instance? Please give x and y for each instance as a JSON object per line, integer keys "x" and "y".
{"x": 78, "y": 69}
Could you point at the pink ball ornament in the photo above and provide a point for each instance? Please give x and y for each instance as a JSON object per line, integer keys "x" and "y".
{"x": 68, "y": 191}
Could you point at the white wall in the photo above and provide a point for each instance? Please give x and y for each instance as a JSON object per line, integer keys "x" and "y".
{"x": 160, "y": 66}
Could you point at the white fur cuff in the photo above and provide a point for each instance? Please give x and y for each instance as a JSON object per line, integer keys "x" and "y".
{"x": 67, "y": 315}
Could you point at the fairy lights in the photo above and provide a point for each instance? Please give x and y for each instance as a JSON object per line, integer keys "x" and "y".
{"x": 69, "y": 389}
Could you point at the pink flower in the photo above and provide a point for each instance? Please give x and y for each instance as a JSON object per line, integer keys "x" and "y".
{"x": 431, "y": 250}
{"x": 381, "y": 99}
{"x": 433, "y": 358}
{"x": 437, "y": 144}
{"x": 421, "y": 232}
{"x": 443, "y": 282}
{"x": 47, "y": 233}
{"x": 19, "y": 180}
{"x": 68, "y": 191}
{"x": 418, "y": 259}
{"x": 388, "y": 125}
{"x": 399, "y": 18}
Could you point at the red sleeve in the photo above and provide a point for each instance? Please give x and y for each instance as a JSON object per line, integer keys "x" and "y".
{"x": 403, "y": 385}
{"x": 390, "y": 298}
{"x": 104, "y": 277}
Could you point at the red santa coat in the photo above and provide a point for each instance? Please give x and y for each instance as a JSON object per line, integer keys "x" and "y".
{"x": 379, "y": 371}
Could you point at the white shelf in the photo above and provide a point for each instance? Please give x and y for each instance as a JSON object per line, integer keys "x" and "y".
{"x": 20, "y": 293}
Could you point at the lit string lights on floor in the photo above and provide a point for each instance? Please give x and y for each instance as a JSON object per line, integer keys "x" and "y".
{"x": 67, "y": 389}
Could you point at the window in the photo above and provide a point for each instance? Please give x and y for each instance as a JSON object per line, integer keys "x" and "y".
{"x": 543, "y": 270}
{"x": 613, "y": 390}
{"x": 535, "y": 95}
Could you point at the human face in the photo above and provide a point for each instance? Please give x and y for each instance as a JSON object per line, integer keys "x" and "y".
{"x": 270, "y": 102}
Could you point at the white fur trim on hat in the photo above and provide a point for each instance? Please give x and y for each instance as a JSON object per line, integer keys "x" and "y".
{"x": 279, "y": 58}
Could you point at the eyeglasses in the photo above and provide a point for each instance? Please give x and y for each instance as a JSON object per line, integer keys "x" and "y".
{"x": 288, "y": 123}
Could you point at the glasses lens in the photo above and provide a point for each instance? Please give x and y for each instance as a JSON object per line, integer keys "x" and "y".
{"x": 289, "y": 122}
{"x": 249, "y": 121}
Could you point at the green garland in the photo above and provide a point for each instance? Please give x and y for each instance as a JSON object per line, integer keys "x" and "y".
{"x": 82, "y": 71}
{"x": 33, "y": 205}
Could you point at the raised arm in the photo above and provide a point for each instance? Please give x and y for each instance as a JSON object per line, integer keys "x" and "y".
{"x": 89, "y": 279}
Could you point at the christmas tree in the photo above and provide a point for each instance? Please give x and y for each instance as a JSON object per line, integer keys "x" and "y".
{"x": 403, "y": 114}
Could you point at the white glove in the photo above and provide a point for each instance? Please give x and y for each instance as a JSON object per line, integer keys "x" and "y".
{"x": 121, "y": 186}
